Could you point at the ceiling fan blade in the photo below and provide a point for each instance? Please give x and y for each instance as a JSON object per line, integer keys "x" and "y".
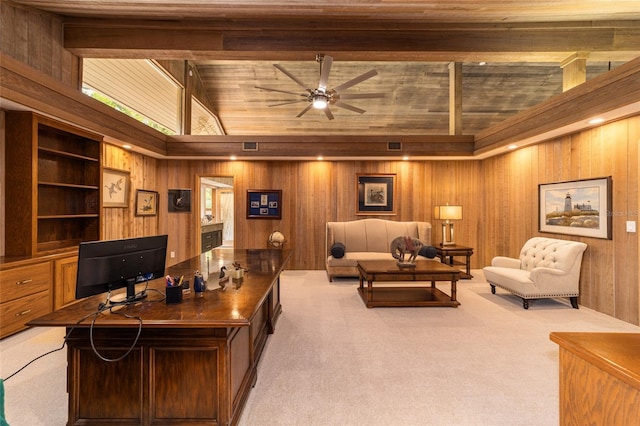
{"x": 349, "y": 107}
{"x": 281, "y": 91}
{"x": 304, "y": 111}
{"x": 287, "y": 103}
{"x": 354, "y": 81}
{"x": 361, "y": 95}
{"x": 292, "y": 77}
{"x": 327, "y": 112}
{"x": 325, "y": 69}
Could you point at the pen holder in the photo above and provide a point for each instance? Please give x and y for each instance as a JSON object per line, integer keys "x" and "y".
{"x": 173, "y": 295}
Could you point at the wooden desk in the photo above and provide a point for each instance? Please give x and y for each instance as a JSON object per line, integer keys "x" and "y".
{"x": 599, "y": 378}
{"x": 388, "y": 270}
{"x": 194, "y": 362}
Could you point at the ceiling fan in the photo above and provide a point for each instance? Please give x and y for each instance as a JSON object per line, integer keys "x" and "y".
{"x": 321, "y": 97}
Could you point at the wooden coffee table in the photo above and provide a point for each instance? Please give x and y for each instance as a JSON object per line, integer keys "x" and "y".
{"x": 425, "y": 270}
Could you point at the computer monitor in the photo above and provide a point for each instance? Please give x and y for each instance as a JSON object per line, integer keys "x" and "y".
{"x": 112, "y": 264}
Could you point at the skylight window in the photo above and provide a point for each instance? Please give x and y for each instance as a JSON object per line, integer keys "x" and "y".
{"x": 136, "y": 87}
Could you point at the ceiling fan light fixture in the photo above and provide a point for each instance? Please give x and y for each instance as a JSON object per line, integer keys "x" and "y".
{"x": 320, "y": 102}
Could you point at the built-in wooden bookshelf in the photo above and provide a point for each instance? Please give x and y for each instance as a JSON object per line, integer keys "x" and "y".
{"x": 53, "y": 185}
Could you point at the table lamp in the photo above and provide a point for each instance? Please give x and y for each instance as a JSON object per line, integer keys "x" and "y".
{"x": 447, "y": 214}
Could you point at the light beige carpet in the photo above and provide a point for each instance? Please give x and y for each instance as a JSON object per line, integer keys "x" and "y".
{"x": 332, "y": 361}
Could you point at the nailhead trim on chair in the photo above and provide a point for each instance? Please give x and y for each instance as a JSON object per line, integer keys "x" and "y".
{"x": 538, "y": 295}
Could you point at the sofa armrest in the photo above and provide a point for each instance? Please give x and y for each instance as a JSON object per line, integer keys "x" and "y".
{"x": 506, "y": 262}
{"x": 554, "y": 280}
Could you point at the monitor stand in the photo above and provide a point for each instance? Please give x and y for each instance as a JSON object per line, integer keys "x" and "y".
{"x": 130, "y": 296}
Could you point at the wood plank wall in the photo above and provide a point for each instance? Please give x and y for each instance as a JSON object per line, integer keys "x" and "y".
{"x": 35, "y": 38}
{"x": 609, "y": 280}
{"x": 315, "y": 192}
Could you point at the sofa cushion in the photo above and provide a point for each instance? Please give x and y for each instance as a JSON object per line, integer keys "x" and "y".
{"x": 514, "y": 277}
{"x": 337, "y": 250}
{"x": 351, "y": 258}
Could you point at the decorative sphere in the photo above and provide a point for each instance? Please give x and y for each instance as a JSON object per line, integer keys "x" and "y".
{"x": 276, "y": 239}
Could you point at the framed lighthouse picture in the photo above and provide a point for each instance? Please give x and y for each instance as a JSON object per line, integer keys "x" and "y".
{"x": 578, "y": 207}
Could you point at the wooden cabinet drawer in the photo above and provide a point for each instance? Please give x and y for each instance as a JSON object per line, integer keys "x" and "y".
{"x": 15, "y": 314}
{"x": 23, "y": 281}
{"x": 211, "y": 239}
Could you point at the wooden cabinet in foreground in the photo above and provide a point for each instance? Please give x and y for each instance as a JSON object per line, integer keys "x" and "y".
{"x": 53, "y": 175}
{"x": 599, "y": 378}
{"x": 65, "y": 271}
{"x": 25, "y": 294}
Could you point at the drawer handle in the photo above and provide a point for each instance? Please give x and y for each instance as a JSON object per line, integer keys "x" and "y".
{"x": 23, "y": 282}
{"x": 19, "y": 314}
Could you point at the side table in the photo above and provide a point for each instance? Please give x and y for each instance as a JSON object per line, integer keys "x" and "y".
{"x": 447, "y": 254}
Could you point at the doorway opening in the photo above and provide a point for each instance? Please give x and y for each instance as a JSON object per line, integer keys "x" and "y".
{"x": 217, "y": 207}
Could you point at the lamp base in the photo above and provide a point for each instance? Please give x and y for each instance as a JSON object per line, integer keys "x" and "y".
{"x": 447, "y": 233}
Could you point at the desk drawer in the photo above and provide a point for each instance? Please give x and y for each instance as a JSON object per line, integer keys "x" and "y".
{"x": 23, "y": 281}
{"x": 15, "y": 314}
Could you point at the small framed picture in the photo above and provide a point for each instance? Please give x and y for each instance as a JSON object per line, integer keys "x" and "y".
{"x": 179, "y": 200}
{"x": 375, "y": 194}
{"x": 115, "y": 188}
{"x": 264, "y": 204}
{"x": 146, "y": 203}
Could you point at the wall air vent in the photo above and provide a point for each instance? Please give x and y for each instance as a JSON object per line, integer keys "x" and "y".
{"x": 249, "y": 146}
{"x": 394, "y": 146}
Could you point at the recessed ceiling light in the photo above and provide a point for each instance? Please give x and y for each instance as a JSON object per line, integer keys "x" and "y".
{"x": 482, "y": 63}
{"x": 126, "y": 146}
{"x": 320, "y": 158}
{"x": 233, "y": 158}
{"x": 512, "y": 146}
{"x": 596, "y": 120}
{"x": 405, "y": 158}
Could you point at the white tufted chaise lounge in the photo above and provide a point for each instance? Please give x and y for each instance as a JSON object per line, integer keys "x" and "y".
{"x": 546, "y": 268}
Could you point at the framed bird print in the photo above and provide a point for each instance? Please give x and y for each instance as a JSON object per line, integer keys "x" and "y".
{"x": 115, "y": 188}
{"x": 179, "y": 200}
{"x": 146, "y": 203}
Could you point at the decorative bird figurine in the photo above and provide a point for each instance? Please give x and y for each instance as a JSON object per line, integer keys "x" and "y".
{"x": 223, "y": 277}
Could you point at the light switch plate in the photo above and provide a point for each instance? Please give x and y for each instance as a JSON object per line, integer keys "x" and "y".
{"x": 631, "y": 226}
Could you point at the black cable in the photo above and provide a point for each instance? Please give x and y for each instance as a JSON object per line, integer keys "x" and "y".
{"x": 101, "y": 308}
{"x": 112, "y": 305}
{"x": 135, "y": 342}
{"x": 64, "y": 342}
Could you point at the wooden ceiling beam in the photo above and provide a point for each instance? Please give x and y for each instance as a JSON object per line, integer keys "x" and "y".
{"x": 327, "y": 146}
{"x": 455, "y": 98}
{"x": 178, "y": 41}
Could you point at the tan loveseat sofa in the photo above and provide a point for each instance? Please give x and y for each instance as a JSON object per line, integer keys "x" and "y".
{"x": 348, "y": 242}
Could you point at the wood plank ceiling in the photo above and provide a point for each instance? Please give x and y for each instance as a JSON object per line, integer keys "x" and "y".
{"x": 511, "y": 54}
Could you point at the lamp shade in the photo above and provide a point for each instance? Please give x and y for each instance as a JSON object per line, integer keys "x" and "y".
{"x": 447, "y": 212}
